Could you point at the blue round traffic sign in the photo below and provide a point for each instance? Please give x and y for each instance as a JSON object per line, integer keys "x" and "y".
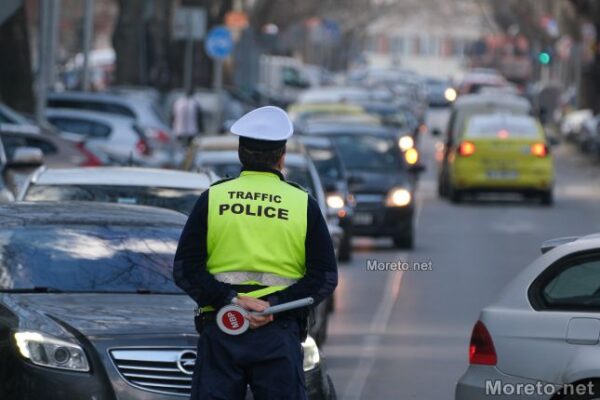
{"x": 218, "y": 43}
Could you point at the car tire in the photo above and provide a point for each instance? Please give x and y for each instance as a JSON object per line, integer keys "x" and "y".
{"x": 593, "y": 396}
{"x": 456, "y": 196}
{"x": 345, "y": 251}
{"x": 547, "y": 198}
{"x": 440, "y": 189}
{"x": 404, "y": 241}
{"x": 332, "y": 392}
{"x": 321, "y": 336}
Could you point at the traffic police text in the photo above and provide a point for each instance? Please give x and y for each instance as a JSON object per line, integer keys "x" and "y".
{"x": 255, "y": 210}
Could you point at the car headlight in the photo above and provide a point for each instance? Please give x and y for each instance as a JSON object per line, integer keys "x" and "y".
{"x": 312, "y": 358}
{"x": 406, "y": 142}
{"x": 450, "y": 94}
{"x": 398, "y": 197}
{"x": 411, "y": 156}
{"x": 47, "y": 351}
{"x": 335, "y": 201}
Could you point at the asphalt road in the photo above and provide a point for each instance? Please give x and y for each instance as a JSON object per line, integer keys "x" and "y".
{"x": 404, "y": 335}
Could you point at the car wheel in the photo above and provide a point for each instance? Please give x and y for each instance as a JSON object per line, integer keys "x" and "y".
{"x": 345, "y": 251}
{"x": 440, "y": 189}
{"x": 547, "y": 198}
{"x": 404, "y": 241}
{"x": 332, "y": 392}
{"x": 456, "y": 196}
{"x": 588, "y": 396}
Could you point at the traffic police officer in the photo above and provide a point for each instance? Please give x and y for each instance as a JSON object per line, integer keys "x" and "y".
{"x": 256, "y": 240}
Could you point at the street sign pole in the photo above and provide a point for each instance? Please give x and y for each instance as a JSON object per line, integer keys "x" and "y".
{"x": 189, "y": 57}
{"x": 43, "y": 59}
{"x": 88, "y": 28}
{"x": 218, "y": 46}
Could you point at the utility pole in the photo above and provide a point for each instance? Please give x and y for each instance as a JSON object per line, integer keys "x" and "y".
{"x": 44, "y": 59}
{"x": 88, "y": 31}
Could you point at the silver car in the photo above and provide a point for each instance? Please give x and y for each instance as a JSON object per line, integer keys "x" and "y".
{"x": 542, "y": 335}
{"x": 175, "y": 190}
{"x": 118, "y": 138}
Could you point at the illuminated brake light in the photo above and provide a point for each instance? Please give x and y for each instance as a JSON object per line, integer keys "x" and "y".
{"x": 539, "y": 150}
{"x": 503, "y": 134}
{"x": 466, "y": 149}
{"x": 481, "y": 348}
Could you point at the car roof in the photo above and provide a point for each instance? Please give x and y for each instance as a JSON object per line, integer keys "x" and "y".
{"x": 326, "y": 128}
{"x": 99, "y": 96}
{"x": 87, "y": 114}
{"x": 291, "y": 159}
{"x": 491, "y": 99}
{"x": 231, "y": 142}
{"x": 123, "y": 176}
{"x": 80, "y": 213}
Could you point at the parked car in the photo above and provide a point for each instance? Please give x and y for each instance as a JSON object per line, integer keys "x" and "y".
{"x": 298, "y": 169}
{"x": 378, "y": 178}
{"x": 572, "y": 123}
{"x": 175, "y": 190}
{"x": 142, "y": 108}
{"x": 462, "y": 110}
{"x": 544, "y": 329}
{"x": 23, "y": 148}
{"x": 89, "y": 308}
{"x": 119, "y": 139}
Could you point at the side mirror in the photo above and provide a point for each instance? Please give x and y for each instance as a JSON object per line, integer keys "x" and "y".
{"x": 436, "y": 132}
{"x": 26, "y": 157}
{"x": 417, "y": 168}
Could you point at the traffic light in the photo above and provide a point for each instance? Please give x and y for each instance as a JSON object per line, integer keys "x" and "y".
{"x": 544, "y": 57}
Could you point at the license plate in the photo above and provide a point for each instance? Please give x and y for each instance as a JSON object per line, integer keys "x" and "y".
{"x": 502, "y": 174}
{"x": 363, "y": 218}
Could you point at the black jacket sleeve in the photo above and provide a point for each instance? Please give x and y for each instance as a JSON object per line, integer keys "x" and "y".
{"x": 189, "y": 270}
{"x": 321, "y": 276}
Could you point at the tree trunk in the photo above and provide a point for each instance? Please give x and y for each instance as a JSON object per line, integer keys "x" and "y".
{"x": 127, "y": 39}
{"x": 16, "y": 85}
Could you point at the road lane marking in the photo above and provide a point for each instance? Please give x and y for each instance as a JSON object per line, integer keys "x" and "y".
{"x": 372, "y": 340}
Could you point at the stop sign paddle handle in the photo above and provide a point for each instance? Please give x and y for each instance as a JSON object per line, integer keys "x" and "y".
{"x": 232, "y": 319}
{"x": 292, "y": 305}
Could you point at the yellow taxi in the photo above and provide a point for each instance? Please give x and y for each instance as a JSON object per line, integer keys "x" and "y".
{"x": 501, "y": 153}
{"x": 301, "y": 112}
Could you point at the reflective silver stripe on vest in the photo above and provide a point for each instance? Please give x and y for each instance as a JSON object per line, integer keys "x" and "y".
{"x": 264, "y": 278}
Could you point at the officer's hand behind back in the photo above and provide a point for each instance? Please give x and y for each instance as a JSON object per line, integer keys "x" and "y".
{"x": 252, "y": 304}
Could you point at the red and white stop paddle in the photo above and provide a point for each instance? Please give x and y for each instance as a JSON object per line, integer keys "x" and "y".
{"x": 232, "y": 319}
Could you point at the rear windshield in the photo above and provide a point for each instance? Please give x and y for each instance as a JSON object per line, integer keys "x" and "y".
{"x": 182, "y": 200}
{"x": 86, "y": 258}
{"x": 491, "y": 127}
{"x": 327, "y": 163}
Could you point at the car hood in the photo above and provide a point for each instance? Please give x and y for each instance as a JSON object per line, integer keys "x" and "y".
{"x": 103, "y": 314}
{"x": 375, "y": 182}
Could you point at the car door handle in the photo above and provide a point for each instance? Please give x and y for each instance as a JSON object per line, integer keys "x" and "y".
{"x": 583, "y": 331}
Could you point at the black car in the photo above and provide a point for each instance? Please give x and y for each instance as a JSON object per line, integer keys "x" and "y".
{"x": 334, "y": 178}
{"x": 378, "y": 178}
{"x": 88, "y": 308}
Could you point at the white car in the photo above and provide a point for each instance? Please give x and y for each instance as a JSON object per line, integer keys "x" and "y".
{"x": 175, "y": 190}
{"x": 543, "y": 333}
{"x": 120, "y": 139}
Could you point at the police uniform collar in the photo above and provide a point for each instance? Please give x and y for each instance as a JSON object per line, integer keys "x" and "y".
{"x": 269, "y": 170}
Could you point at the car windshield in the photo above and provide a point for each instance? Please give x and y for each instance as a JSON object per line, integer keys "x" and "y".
{"x": 88, "y": 258}
{"x": 181, "y": 200}
{"x": 367, "y": 153}
{"x": 327, "y": 163}
{"x": 502, "y": 126}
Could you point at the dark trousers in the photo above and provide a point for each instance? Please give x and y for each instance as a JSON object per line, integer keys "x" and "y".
{"x": 268, "y": 359}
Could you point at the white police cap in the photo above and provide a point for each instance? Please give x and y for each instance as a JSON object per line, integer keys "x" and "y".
{"x": 268, "y": 123}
